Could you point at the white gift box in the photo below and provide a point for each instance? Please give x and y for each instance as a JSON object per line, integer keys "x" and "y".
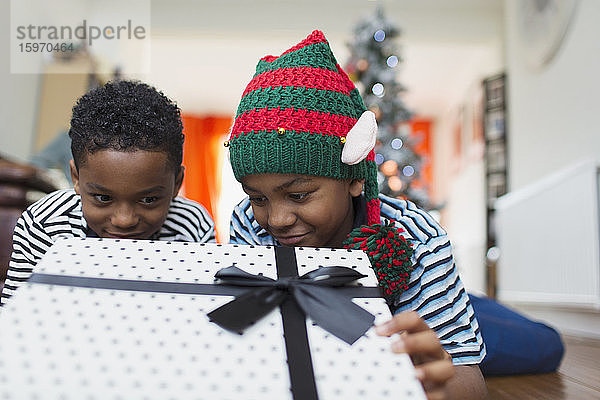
{"x": 134, "y": 340}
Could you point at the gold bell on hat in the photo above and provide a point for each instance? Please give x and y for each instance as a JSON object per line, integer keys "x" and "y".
{"x": 280, "y": 130}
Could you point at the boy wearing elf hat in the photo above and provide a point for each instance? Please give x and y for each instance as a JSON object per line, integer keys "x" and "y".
{"x": 302, "y": 148}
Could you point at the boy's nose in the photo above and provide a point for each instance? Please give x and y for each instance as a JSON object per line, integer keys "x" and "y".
{"x": 281, "y": 217}
{"x": 124, "y": 217}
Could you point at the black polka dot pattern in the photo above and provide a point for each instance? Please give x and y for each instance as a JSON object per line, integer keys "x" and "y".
{"x": 81, "y": 343}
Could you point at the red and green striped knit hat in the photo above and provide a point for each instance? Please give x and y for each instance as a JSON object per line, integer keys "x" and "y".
{"x": 301, "y": 114}
{"x": 295, "y": 116}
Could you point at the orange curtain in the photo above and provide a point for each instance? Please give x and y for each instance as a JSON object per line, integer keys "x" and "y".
{"x": 421, "y": 130}
{"x": 203, "y": 158}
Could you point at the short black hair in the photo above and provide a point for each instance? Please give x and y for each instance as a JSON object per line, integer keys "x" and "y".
{"x": 126, "y": 116}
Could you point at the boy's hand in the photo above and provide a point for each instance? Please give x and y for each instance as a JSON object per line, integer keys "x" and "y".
{"x": 433, "y": 366}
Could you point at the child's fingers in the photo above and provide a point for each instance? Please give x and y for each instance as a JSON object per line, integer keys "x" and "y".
{"x": 406, "y": 321}
{"x": 421, "y": 343}
{"x": 435, "y": 373}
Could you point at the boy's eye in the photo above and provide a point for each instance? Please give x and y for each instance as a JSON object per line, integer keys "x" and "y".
{"x": 298, "y": 196}
{"x": 102, "y": 198}
{"x": 257, "y": 200}
{"x": 149, "y": 200}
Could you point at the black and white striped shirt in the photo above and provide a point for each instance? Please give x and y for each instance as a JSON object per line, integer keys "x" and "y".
{"x": 59, "y": 215}
{"x": 435, "y": 290}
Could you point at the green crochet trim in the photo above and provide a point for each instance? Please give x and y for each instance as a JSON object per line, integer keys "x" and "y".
{"x": 259, "y": 152}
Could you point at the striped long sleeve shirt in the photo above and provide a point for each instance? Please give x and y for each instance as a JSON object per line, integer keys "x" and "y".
{"x": 59, "y": 215}
{"x": 435, "y": 290}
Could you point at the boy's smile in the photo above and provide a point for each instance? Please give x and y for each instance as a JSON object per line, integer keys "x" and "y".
{"x": 125, "y": 194}
{"x": 303, "y": 210}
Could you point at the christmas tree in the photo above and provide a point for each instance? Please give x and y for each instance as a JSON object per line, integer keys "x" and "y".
{"x": 373, "y": 66}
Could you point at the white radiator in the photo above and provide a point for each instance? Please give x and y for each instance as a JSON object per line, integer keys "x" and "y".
{"x": 548, "y": 235}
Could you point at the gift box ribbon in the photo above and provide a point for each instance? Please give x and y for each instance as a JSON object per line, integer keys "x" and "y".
{"x": 320, "y": 294}
{"x": 315, "y": 293}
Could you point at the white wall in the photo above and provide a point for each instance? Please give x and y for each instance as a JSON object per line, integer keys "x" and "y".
{"x": 18, "y": 102}
{"x": 464, "y": 220}
{"x": 553, "y": 113}
{"x": 460, "y": 181}
{"x": 553, "y": 123}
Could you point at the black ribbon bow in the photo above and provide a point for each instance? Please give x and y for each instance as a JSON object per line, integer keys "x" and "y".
{"x": 315, "y": 292}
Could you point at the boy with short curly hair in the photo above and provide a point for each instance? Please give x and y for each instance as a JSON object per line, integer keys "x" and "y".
{"x": 127, "y": 144}
{"x": 302, "y": 148}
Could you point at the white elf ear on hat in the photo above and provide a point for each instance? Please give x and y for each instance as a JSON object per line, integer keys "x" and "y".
{"x": 360, "y": 140}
